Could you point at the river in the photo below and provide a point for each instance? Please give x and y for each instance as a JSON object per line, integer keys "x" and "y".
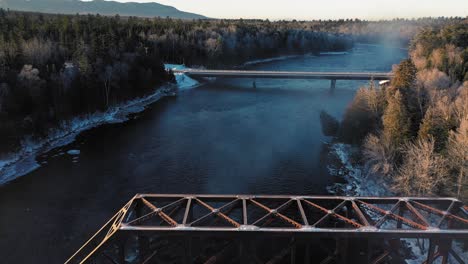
{"x": 222, "y": 137}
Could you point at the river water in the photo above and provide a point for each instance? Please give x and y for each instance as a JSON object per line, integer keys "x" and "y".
{"x": 223, "y": 137}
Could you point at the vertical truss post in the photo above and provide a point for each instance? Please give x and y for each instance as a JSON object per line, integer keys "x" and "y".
{"x": 188, "y": 213}
{"x": 244, "y": 212}
{"x": 444, "y": 247}
{"x": 400, "y": 213}
{"x": 431, "y": 252}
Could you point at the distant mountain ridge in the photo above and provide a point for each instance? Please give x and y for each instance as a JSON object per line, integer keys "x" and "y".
{"x": 98, "y": 6}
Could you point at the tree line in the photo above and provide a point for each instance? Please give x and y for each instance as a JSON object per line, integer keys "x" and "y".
{"x": 414, "y": 132}
{"x": 55, "y": 67}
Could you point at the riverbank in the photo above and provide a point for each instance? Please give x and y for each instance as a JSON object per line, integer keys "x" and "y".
{"x": 351, "y": 179}
{"x": 24, "y": 161}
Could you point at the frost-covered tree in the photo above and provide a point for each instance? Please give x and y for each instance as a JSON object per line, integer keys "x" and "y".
{"x": 379, "y": 155}
{"x": 457, "y": 157}
{"x": 433, "y": 79}
{"x": 424, "y": 172}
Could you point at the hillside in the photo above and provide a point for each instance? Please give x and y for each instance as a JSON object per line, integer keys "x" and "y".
{"x": 97, "y": 7}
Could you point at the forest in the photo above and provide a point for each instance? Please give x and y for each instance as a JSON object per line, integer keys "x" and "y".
{"x": 55, "y": 67}
{"x": 414, "y": 132}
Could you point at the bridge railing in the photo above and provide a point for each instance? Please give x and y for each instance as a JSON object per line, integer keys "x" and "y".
{"x": 154, "y": 227}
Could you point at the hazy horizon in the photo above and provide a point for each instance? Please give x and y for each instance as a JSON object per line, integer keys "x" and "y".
{"x": 310, "y": 9}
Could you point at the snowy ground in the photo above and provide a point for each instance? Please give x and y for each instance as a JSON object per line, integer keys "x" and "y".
{"x": 183, "y": 81}
{"x": 357, "y": 183}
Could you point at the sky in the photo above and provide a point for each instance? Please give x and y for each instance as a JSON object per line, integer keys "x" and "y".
{"x": 318, "y": 9}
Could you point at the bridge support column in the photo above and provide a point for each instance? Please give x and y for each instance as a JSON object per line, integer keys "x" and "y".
{"x": 333, "y": 86}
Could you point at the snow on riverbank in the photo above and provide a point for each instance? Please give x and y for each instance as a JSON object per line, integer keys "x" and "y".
{"x": 357, "y": 183}
{"x": 24, "y": 161}
{"x": 183, "y": 81}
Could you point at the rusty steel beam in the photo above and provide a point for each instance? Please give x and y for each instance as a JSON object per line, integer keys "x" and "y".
{"x": 301, "y": 218}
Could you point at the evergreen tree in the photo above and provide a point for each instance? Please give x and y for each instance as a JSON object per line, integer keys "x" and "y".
{"x": 434, "y": 125}
{"x": 396, "y": 122}
{"x": 405, "y": 75}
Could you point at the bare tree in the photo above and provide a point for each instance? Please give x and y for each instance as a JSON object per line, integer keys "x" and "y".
{"x": 379, "y": 154}
{"x": 418, "y": 57}
{"x": 460, "y": 104}
{"x": 433, "y": 79}
{"x": 424, "y": 172}
{"x": 457, "y": 152}
{"x": 107, "y": 79}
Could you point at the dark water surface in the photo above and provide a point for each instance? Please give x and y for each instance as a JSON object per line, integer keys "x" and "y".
{"x": 220, "y": 138}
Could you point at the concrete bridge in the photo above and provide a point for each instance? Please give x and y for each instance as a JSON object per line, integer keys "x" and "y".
{"x": 333, "y": 76}
{"x": 164, "y": 228}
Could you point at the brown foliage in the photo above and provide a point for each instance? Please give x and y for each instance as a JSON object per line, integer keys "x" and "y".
{"x": 457, "y": 151}
{"x": 424, "y": 172}
{"x": 379, "y": 154}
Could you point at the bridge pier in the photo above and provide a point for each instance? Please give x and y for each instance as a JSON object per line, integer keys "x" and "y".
{"x": 332, "y": 85}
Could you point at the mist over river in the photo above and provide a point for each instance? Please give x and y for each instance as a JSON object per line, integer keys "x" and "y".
{"x": 222, "y": 137}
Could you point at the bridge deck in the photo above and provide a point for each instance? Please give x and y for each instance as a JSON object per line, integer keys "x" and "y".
{"x": 298, "y": 217}
{"x": 287, "y": 74}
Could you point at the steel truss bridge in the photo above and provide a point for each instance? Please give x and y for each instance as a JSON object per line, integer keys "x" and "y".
{"x": 154, "y": 228}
